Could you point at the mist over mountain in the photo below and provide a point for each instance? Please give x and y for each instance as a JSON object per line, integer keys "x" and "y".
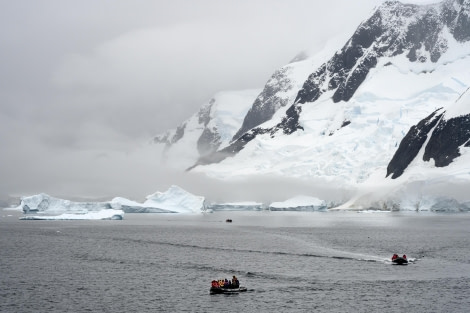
{"x": 391, "y": 105}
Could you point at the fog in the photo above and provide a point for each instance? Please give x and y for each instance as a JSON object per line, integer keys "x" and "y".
{"x": 84, "y": 85}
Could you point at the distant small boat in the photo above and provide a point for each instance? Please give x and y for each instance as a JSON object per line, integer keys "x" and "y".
{"x": 215, "y": 291}
{"x": 229, "y": 220}
{"x": 400, "y": 261}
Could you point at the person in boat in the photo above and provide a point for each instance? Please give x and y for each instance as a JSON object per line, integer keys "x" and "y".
{"x": 404, "y": 256}
{"x": 235, "y": 282}
{"x": 214, "y": 284}
{"x": 394, "y": 257}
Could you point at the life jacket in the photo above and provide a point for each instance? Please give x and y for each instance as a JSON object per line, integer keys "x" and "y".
{"x": 404, "y": 256}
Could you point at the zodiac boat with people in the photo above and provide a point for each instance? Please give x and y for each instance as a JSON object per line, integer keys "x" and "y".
{"x": 219, "y": 290}
{"x": 226, "y": 286}
{"x": 399, "y": 260}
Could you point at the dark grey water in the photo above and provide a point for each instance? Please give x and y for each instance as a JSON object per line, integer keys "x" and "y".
{"x": 290, "y": 262}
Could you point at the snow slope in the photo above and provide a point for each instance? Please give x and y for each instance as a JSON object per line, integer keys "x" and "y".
{"x": 387, "y": 104}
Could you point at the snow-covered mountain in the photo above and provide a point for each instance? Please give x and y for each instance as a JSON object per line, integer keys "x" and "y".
{"x": 282, "y": 88}
{"x": 213, "y": 126}
{"x": 394, "y": 93}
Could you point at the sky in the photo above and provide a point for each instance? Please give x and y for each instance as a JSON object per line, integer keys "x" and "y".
{"x": 85, "y": 85}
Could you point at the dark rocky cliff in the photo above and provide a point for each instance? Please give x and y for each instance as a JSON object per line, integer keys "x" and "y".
{"x": 446, "y": 136}
{"x": 412, "y": 144}
{"x": 267, "y": 103}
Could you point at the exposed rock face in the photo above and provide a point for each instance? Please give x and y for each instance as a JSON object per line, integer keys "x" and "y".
{"x": 268, "y": 101}
{"x": 288, "y": 125}
{"x": 231, "y": 150}
{"x": 446, "y": 140}
{"x": 207, "y": 130}
{"x": 411, "y": 145}
{"x": 209, "y": 140}
{"x": 443, "y": 146}
{"x": 169, "y": 139}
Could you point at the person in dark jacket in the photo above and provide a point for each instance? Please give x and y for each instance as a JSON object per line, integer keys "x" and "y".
{"x": 235, "y": 282}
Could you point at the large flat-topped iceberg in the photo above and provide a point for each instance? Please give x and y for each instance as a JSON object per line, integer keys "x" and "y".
{"x": 107, "y": 214}
{"x": 236, "y": 206}
{"x": 299, "y": 203}
{"x": 43, "y": 206}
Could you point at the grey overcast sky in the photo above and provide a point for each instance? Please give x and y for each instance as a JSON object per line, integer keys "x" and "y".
{"x": 85, "y": 84}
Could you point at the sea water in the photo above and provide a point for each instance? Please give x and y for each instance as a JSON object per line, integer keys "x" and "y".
{"x": 289, "y": 261}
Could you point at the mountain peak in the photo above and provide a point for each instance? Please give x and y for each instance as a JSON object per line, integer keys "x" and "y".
{"x": 419, "y": 32}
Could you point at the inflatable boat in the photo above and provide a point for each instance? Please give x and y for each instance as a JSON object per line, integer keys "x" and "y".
{"x": 400, "y": 261}
{"x": 215, "y": 291}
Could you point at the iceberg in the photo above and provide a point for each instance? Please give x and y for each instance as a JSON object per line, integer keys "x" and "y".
{"x": 43, "y": 206}
{"x": 108, "y": 214}
{"x": 299, "y": 203}
{"x": 175, "y": 200}
{"x": 236, "y": 206}
{"x": 129, "y": 206}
